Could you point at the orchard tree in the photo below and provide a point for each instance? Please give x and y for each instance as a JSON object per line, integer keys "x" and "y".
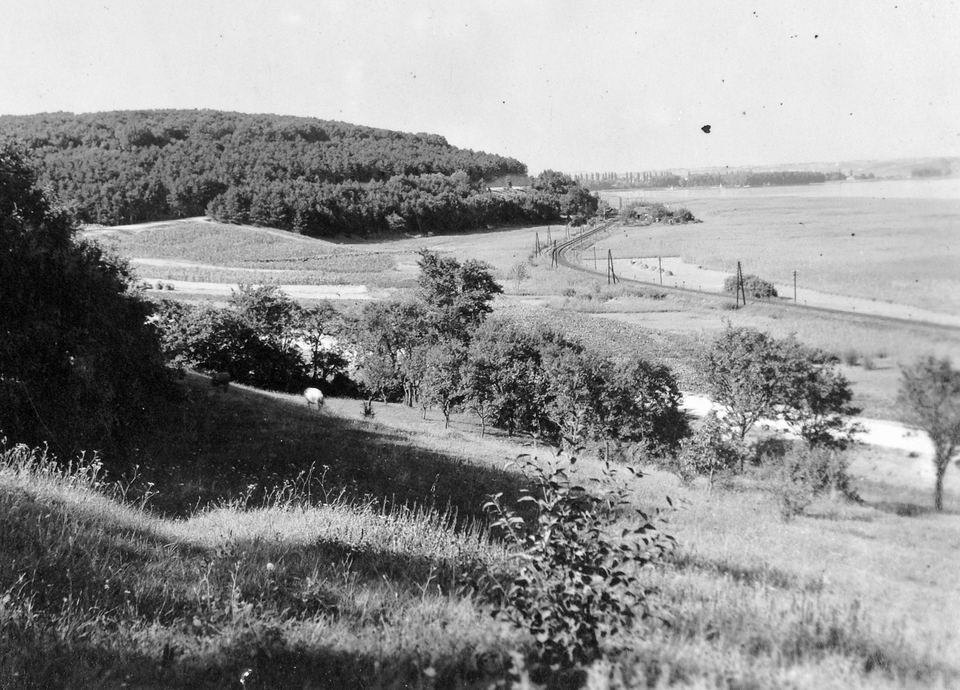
{"x": 478, "y": 384}
{"x": 745, "y": 370}
{"x": 757, "y": 376}
{"x": 384, "y": 335}
{"x": 456, "y": 295}
{"x": 574, "y": 379}
{"x": 442, "y": 384}
{"x": 314, "y": 327}
{"x": 641, "y": 403}
{"x": 929, "y": 398}
{"x": 817, "y": 401}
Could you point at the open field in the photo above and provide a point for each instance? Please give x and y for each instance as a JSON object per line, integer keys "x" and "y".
{"x": 897, "y": 250}
{"x": 247, "y": 565}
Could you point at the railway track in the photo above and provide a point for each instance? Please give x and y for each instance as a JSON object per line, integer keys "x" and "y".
{"x": 587, "y": 237}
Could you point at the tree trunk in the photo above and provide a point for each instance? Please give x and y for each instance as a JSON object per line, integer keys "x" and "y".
{"x": 938, "y": 492}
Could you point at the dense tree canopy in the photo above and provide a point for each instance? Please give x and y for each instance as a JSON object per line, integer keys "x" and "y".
{"x": 79, "y": 364}
{"x": 311, "y": 176}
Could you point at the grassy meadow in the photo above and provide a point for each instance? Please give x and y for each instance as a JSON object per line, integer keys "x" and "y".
{"x": 260, "y": 541}
{"x": 897, "y": 250}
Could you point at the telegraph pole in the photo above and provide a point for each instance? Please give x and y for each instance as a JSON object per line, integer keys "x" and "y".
{"x": 660, "y": 264}
{"x": 794, "y": 287}
{"x": 740, "y": 288}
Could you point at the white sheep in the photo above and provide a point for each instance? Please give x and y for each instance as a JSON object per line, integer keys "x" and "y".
{"x": 314, "y": 397}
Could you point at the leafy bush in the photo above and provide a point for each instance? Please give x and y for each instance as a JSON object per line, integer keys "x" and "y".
{"x": 710, "y": 451}
{"x": 810, "y": 472}
{"x": 577, "y": 585}
{"x": 753, "y": 285}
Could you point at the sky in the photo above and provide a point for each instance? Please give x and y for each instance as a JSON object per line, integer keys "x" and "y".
{"x": 576, "y": 86}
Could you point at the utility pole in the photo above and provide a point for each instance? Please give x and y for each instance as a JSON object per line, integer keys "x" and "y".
{"x": 594, "y": 257}
{"x": 740, "y": 288}
{"x": 536, "y": 243}
{"x": 794, "y": 287}
{"x": 660, "y": 264}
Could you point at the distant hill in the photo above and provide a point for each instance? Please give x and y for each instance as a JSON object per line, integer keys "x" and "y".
{"x": 313, "y": 176}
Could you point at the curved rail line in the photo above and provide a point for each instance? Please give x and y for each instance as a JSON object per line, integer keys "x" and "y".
{"x": 581, "y": 239}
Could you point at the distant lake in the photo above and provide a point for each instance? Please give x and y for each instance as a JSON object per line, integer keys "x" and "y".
{"x": 939, "y": 188}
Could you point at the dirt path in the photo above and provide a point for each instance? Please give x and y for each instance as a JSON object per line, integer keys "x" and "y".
{"x": 351, "y": 292}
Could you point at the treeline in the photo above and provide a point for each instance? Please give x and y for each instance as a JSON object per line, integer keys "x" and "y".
{"x": 418, "y": 204}
{"x": 310, "y": 176}
{"x": 742, "y": 178}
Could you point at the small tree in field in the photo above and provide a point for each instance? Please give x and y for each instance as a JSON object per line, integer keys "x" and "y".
{"x": 930, "y": 399}
{"x": 757, "y": 376}
{"x": 744, "y": 371}
{"x": 442, "y": 377}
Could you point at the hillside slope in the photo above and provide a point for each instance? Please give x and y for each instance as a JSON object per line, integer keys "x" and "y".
{"x": 313, "y": 176}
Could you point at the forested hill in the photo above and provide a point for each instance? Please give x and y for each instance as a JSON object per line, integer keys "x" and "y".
{"x": 311, "y": 176}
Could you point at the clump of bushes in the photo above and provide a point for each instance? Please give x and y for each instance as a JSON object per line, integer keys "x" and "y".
{"x": 753, "y": 285}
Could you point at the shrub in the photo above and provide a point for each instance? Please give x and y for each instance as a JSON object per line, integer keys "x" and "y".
{"x": 575, "y": 586}
{"x": 810, "y": 472}
{"x": 753, "y": 285}
{"x": 709, "y": 452}
{"x": 851, "y": 357}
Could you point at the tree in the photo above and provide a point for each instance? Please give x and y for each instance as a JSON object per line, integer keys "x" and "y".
{"x": 385, "y": 335}
{"x": 80, "y": 365}
{"x": 930, "y": 400}
{"x": 744, "y": 372}
{"x": 756, "y": 376}
{"x": 518, "y": 272}
{"x": 817, "y": 403}
{"x": 479, "y": 391}
{"x": 641, "y": 403}
{"x": 442, "y": 384}
{"x": 314, "y": 328}
{"x": 457, "y": 296}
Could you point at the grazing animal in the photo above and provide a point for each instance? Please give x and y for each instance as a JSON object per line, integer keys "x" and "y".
{"x": 220, "y": 378}
{"x": 314, "y": 397}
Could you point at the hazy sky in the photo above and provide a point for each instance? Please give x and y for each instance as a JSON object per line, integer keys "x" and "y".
{"x": 574, "y": 86}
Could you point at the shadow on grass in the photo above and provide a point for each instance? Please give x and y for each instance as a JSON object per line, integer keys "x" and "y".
{"x": 754, "y": 576}
{"x": 226, "y": 444}
{"x": 909, "y": 509}
{"x": 255, "y": 658}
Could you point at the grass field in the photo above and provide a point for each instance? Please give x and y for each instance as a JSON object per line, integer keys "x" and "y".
{"x": 291, "y": 549}
{"x": 898, "y": 250}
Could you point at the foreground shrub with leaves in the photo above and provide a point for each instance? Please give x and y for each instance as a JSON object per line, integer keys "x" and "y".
{"x": 577, "y": 584}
